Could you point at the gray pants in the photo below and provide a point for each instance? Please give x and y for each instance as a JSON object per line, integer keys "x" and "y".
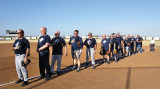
{"x": 90, "y": 52}
{"x": 21, "y": 70}
{"x": 152, "y": 47}
{"x": 54, "y": 58}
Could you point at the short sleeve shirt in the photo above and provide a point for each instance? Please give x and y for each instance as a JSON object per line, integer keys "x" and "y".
{"x": 23, "y": 44}
{"x": 92, "y": 42}
{"x": 57, "y": 49}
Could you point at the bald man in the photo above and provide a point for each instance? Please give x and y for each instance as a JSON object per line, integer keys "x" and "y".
{"x": 43, "y": 50}
{"x": 106, "y": 47}
{"x": 57, "y": 44}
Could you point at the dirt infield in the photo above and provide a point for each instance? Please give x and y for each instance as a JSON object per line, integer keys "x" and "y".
{"x": 140, "y": 71}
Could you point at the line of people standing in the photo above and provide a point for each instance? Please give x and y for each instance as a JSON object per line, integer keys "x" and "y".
{"x": 113, "y": 48}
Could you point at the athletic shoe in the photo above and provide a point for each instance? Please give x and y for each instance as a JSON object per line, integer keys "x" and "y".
{"x": 24, "y": 83}
{"x": 19, "y": 81}
{"x": 74, "y": 67}
{"x": 93, "y": 67}
{"x": 51, "y": 73}
{"x": 86, "y": 65}
{"x": 48, "y": 78}
{"x": 78, "y": 69}
{"x": 116, "y": 61}
{"x": 41, "y": 77}
{"x": 108, "y": 62}
{"x": 58, "y": 72}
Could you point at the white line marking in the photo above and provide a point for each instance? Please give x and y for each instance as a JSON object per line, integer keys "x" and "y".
{"x": 37, "y": 76}
{"x": 6, "y": 84}
{"x": 14, "y": 81}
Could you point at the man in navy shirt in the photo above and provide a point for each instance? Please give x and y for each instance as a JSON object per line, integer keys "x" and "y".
{"x": 57, "y": 44}
{"x": 129, "y": 38}
{"x": 43, "y": 50}
{"x": 76, "y": 46}
{"x": 91, "y": 46}
{"x": 119, "y": 40}
{"x": 113, "y": 47}
{"x": 127, "y": 41}
{"x": 138, "y": 43}
{"x": 133, "y": 44}
{"x": 22, "y": 50}
{"x": 141, "y": 42}
{"x": 106, "y": 46}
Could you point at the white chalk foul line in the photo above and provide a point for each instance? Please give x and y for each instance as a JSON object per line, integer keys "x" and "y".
{"x": 37, "y": 76}
{"x": 14, "y": 81}
{"x": 6, "y": 84}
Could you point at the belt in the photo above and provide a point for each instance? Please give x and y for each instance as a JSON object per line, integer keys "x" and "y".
{"x": 18, "y": 54}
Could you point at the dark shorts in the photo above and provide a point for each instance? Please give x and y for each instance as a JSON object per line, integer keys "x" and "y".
{"x": 112, "y": 49}
{"x": 105, "y": 52}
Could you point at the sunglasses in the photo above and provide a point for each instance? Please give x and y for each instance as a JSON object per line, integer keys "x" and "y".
{"x": 18, "y": 32}
{"x": 56, "y": 34}
{"x": 75, "y": 33}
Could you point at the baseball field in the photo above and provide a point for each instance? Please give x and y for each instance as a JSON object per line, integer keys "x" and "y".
{"x": 141, "y": 71}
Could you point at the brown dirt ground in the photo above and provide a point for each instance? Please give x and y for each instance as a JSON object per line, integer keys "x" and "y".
{"x": 140, "y": 71}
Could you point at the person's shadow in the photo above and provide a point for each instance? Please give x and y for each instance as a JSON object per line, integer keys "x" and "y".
{"x": 66, "y": 70}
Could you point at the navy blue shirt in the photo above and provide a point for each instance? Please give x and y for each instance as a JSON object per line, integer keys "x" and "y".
{"x": 105, "y": 43}
{"x": 118, "y": 41}
{"x": 57, "y": 49}
{"x": 142, "y": 40}
{"x": 127, "y": 42}
{"x": 42, "y": 41}
{"x": 113, "y": 41}
{"x": 74, "y": 45}
{"x": 138, "y": 39}
{"x": 92, "y": 42}
{"x": 133, "y": 40}
{"x": 23, "y": 44}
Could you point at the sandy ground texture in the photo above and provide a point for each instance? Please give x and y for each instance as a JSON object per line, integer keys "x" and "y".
{"x": 141, "y": 71}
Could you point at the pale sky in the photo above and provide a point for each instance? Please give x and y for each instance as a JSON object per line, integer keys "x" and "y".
{"x": 96, "y": 16}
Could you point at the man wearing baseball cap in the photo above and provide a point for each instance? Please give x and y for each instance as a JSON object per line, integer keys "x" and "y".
{"x": 22, "y": 50}
{"x": 91, "y": 46}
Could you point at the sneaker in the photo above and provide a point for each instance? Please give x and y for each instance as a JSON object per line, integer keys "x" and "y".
{"x": 86, "y": 65}
{"x": 78, "y": 69}
{"x": 58, "y": 72}
{"x": 19, "y": 81}
{"x": 48, "y": 78}
{"x": 116, "y": 61}
{"x": 51, "y": 73}
{"x": 41, "y": 77}
{"x": 24, "y": 83}
{"x": 93, "y": 67}
{"x": 108, "y": 62}
{"x": 74, "y": 67}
